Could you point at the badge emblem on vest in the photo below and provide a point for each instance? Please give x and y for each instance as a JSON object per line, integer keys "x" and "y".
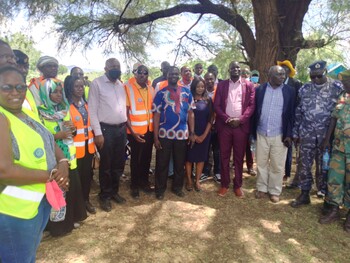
{"x": 38, "y": 153}
{"x": 139, "y": 100}
{"x": 77, "y": 118}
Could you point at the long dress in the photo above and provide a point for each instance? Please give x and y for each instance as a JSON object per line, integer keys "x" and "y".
{"x": 199, "y": 152}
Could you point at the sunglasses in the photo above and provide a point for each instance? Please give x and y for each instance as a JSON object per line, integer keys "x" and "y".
{"x": 10, "y": 88}
{"x": 316, "y": 76}
{"x": 140, "y": 72}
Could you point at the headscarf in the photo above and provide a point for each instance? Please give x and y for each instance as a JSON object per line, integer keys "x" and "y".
{"x": 50, "y": 110}
{"x": 45, "y": 60}
{"x": 288, "y": 64}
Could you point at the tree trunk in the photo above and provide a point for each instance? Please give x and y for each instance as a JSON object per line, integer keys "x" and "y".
{"x": 267, "y": 34}
{"x": 291, "y": 16}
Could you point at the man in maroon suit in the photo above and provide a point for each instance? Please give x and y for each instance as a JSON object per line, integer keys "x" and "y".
{"x": 234, "y": 105}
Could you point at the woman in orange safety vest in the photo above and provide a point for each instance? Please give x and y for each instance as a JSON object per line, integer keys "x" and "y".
{"x": 84, "y": 138}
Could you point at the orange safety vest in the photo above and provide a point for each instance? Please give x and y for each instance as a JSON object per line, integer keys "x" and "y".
{"x": 140, "y": 112}
{"x": 80, "y": 138}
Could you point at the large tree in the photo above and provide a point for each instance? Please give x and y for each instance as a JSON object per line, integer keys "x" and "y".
{"x": 268, "y": 30}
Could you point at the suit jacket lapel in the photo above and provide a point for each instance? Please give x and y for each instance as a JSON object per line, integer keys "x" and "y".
{"x": 244, "y": 92}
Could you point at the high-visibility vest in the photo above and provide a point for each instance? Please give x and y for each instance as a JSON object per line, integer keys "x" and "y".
{"x": 54, "y": 127}
{"x": 86, "y": 92}
{"x": 140, "y": 111}
{"x": 23, "y": 201}
{"x": 29, "y": 103}
{"x": 80, "y": 138}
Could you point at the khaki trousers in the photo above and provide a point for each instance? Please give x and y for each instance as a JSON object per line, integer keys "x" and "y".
{"x": 271, "y": 156}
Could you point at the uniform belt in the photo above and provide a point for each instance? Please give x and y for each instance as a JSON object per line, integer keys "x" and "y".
{"x": 113, "y": 125}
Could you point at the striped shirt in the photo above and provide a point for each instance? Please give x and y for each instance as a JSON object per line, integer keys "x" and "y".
{"x": 270, "y": 123}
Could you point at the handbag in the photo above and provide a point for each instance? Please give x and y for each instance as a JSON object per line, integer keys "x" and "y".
{"x": 96, "y": 159}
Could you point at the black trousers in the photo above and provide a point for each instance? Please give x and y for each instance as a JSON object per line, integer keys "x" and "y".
{"x": 85, "y": 172}
{"x": 214, "y": 147}
{"x": 141, "y": 156}
{"x": 112, "y": 160}
{"x": 178, "y": 148}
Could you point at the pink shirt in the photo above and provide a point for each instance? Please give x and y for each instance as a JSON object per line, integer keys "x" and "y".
{"x": 234, "y": 100}
{"x": 107, "y": 103}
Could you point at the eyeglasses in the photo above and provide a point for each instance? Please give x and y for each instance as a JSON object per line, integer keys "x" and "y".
{"x": 317, "y": 76}
{"x": 10, "y": 88}
{"x": 140, "y": 72}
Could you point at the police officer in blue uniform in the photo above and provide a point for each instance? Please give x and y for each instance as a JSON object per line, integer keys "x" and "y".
{"x": 317, "y": 100}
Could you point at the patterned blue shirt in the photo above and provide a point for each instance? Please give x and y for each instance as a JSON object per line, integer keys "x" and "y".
{"x": 270, "y": 123}
{"x": 172, "y": 125}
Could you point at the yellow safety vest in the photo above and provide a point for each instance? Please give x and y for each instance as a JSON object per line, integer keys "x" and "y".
{"x": 86, "y": 92}
{"x": 54, "y": 127}
{"x": 23, "y": 201}
{"x": 29, "y": 102}
{"x": 140, "y": 111}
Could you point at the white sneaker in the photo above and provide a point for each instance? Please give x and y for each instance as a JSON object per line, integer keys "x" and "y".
{"x": 76, "y": 225}
{"x": 320, "y": 194}
{"x": 217, "y": 178}
{"x": 203, "y": 177}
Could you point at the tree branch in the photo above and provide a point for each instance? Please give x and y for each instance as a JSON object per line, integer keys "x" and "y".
{"x": 179, "y": 46}
{"x": 205, "y": 7}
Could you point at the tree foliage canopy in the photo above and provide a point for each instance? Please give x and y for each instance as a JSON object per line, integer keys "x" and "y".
{"x": 256, "y": 32}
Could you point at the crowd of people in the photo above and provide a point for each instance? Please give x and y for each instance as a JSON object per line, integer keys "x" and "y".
{"x": 50, "y": 130}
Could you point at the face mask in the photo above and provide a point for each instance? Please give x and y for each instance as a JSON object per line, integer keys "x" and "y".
{"x": 254, "y": 79}
{"x": 114, "y": 74}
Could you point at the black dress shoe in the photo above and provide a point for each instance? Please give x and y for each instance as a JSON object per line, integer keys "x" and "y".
{"x": 148, "y": 189}
{"x": 118, "y": 199}
{"x": 106, "y": 205}
{"x": 179, "y": 193}
{"x": 302, "y": 199}
{"x": 135, "y": 193}
{"x": 160, "y": 196}
{"x": 90, "y": 208}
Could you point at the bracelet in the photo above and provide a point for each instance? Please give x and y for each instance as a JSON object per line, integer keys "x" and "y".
{"x": 51, "y": 173}
{"x": 64, "y": 160}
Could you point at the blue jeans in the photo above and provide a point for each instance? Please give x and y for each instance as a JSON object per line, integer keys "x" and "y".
{"x": 20, "y": 238}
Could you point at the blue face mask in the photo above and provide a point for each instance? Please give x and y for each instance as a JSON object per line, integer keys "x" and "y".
{"x": 254, "y": 79}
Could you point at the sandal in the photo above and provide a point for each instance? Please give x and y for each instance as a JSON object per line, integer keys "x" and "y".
{"x": 197, "y": 188}
{"x": 189, "y": 188}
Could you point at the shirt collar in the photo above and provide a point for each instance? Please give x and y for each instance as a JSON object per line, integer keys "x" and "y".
{"x": 279, "y": 87}
{"x": 238, "y": 81}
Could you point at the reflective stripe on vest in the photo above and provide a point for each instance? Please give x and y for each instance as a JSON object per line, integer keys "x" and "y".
{"x": 140, "y": 114}
{"x": 23, "y": 193}
{"x": 23, "y": 201}
{"x": 80, "y": 138}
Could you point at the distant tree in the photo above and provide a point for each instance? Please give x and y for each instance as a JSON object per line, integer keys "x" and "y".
{"x": 62, "y": 69}
{"x": 25, "y": 44}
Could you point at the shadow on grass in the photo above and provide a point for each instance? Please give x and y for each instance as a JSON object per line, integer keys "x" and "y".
{"x": 202, "y": 227}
